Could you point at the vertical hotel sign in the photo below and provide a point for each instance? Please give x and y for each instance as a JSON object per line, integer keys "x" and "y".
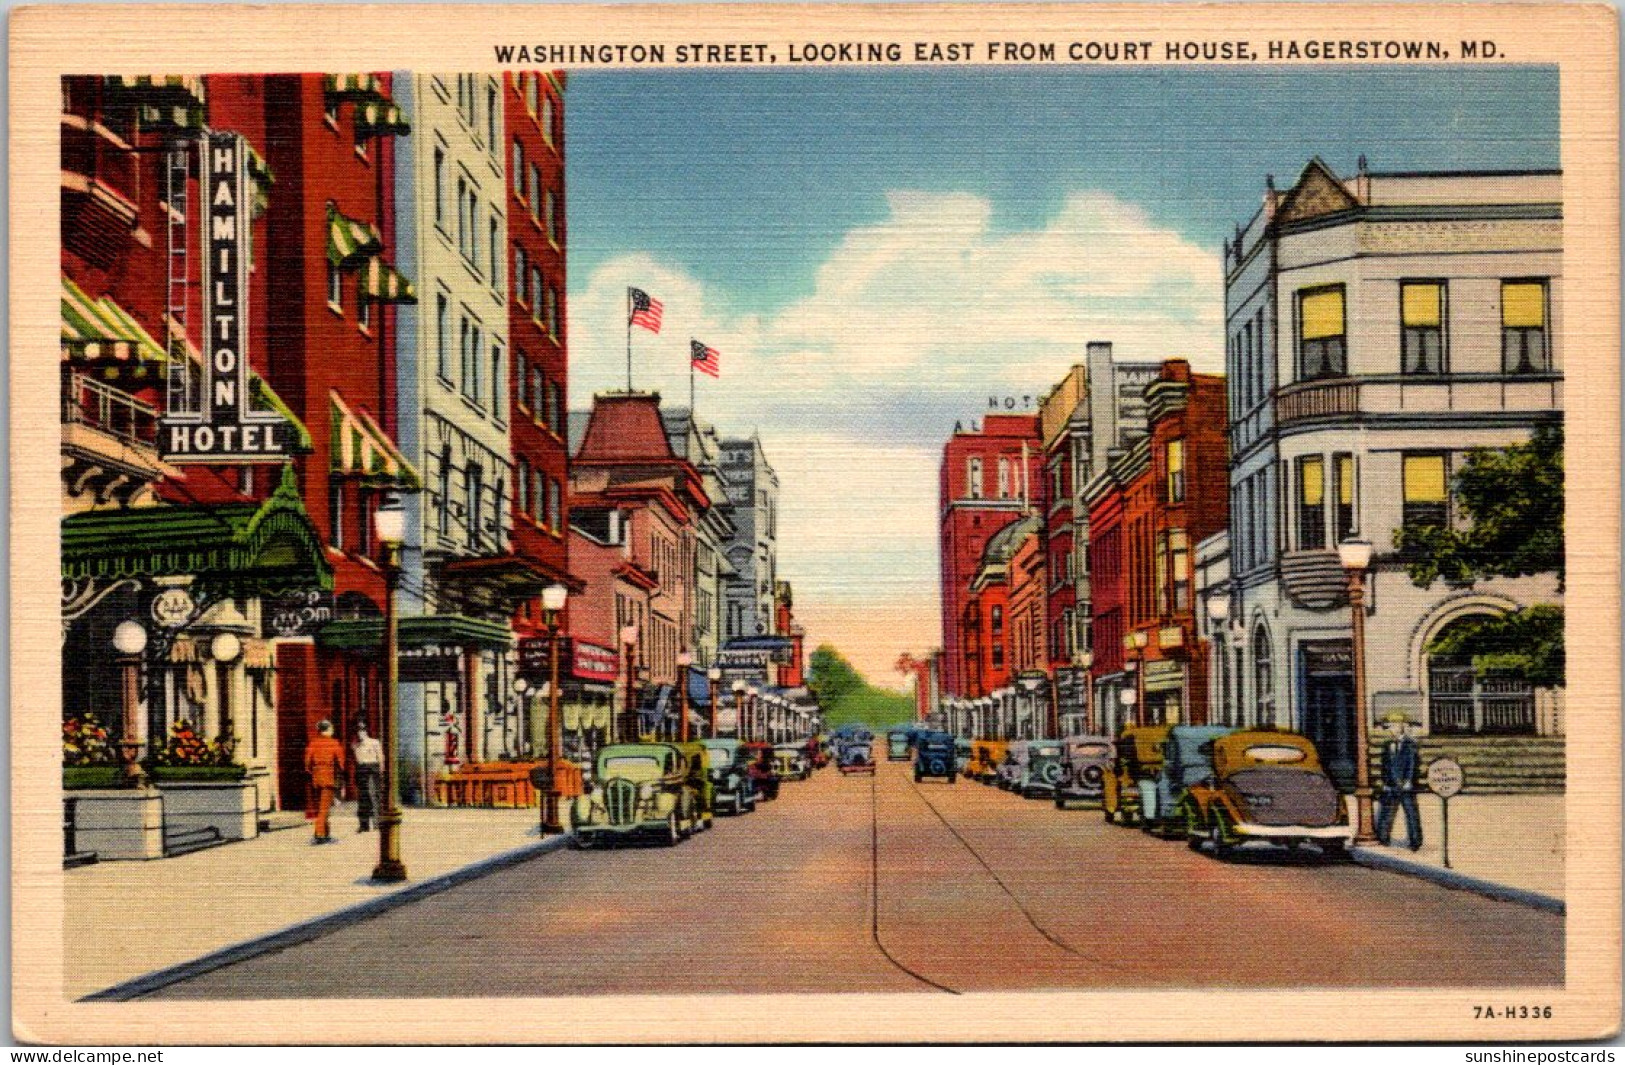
{"x": 224, "y": 428}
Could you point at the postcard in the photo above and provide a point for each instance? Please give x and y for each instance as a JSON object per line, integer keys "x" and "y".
{"x": 841, "y": 524}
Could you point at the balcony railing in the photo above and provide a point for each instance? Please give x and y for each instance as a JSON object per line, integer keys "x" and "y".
{"x": 113, "y": 411}
{"x": 1415, "y": 394}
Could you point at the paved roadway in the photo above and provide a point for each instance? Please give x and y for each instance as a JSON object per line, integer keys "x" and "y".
{"x": 852, "y": 884}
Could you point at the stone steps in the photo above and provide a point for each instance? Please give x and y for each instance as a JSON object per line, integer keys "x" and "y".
{"x": 192, "y": 839}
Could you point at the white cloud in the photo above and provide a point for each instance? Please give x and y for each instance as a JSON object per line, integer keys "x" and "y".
{"x": 911, "y": 324}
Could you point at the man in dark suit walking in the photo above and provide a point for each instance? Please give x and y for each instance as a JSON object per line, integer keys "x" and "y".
{"x": 1401, "y": 763}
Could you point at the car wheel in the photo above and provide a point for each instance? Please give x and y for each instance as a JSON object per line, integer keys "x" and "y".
{"x": 1194, "y": 836}
{"x": 1060, "y": 803}
{"x": 952, "y": 778}
{"x": 1219, "y": 836}
{"x": 673, "y": 834}
{"x": 581, "y": 841}
{"x": 918, "y": 776}
{"x": 1334, "y": 850}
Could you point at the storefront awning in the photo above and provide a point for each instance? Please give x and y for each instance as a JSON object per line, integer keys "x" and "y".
{"x": 101, "y": 329}
{"x": 426, "y": 630}
{"x": 361, "y": 449}
{"x": 349, "y": 241}
{"x": 510, "y": 575}
{"x": 379, "y": 118}
{"x": 382, "y": 283}
{"x": 245, "y": 549}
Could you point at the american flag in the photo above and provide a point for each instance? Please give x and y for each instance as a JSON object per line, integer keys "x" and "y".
{"x": 646, "y": 310}
{"x": 706, "y": 360}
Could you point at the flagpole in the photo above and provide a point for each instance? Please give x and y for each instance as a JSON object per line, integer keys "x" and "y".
{"x": 629, "y": 340}
{"x": 692, "y": 416}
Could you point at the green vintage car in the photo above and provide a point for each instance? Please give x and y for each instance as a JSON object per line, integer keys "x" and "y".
{"x": 639, "y": 791}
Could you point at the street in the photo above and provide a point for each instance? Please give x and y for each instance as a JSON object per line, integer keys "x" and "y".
{"x": 871, "y": 885}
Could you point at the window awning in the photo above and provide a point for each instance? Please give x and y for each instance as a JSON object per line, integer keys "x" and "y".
{"x": 355, "y": 86}
{"x": 379, "y": 118}
{"x": 349, "y": 240}
{"x": 175, "y": 101}
{"x": 243, "y": 549}
{"x": 101, "y": 329}
{"x": 382, "y": 283}
{"x": 425, "y": 630}
{"x": 361, "y": 449}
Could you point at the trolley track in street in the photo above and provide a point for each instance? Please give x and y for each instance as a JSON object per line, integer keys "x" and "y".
{"x": 874, "y": 892}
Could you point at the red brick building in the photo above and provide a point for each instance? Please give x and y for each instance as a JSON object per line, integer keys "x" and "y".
{"x": 989, "y": 476}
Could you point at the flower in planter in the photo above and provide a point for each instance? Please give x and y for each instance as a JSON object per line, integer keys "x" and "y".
{"x": 84, "y": 741}
{"x": 185, "y": 747}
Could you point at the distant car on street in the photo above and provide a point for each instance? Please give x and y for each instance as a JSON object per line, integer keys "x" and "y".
{"x": 639, "y": 790}
{"x": 1187, "y": 760}
{"x": 935, "y": 755}
{"x": 791, "y": 761}
{"x": 897, "y": 745}
{"x": 1014, "y": 764}
{"x": 1138, "y": 760}
{"x": 1086, "y": 761}
{"x": 855, "y": 756}
{"x": 962, "y": 750}
{"x": 1040, "y": 771}
{"x": 763, "y": 769}
{"x": 730, "y": 777}
{"x": 1268, "y": 786}
{"x": 986, "y": 757}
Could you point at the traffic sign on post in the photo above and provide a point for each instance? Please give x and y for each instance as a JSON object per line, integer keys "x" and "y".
{"x": 1445, "y": 779}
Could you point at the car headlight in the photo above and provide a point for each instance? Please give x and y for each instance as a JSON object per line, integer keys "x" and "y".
{"x": 646, "y": 790}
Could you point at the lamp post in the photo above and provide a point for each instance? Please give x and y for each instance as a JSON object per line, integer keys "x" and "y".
{"x": 1086, "y": 662}
{"x": 684, "y": 660}
{"x": 130, "y": 640}
{"x": 1355, "y": 555}
{"x": 739, "y": 710}
{"x": 1129, "y": 698}
{"x": 1142, "y": 640}
{"x": 629, "y": 640}
{"x": 389, "y": 523}
{"x": 755, "y": 703}
{"x": 224, "y": 649}
{"x": 1218, "y": 612}
{"x": 713, "y": 675}
{"x": 554, "y": 597}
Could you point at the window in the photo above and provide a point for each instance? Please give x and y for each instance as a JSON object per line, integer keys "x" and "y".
{"x": 1311, "y": 503}
{"x": 475, "y": 386}
{"x": 521, "y": 376}
{"x": 491, "y": 119}
{"x": 335, "y": 514}
{"x": 1179, "y": 562}
{"x": 539, "y": 393}
{"x": 440, "y": 188}
{"x": 495, "y": 249}
{"x": 1176, "y": 471}
{"x": 496, "y": 382}
{"x": 1321, "y": 351}
{"x": 445, "y": 492}
{"x": 1263, "y": 677}
{"x": 520, "y": 273}
{"x": 1523, "y": 327}
{"x": 1159, "y": 563}
{"x": 1250, "y": 370}
{"x": 973, "y": 478}
{"x": 518, "y": 169}
{"x": 535, "y": 191}
{"x": 474, "y": 481}
{"x": 462, "y": 353}
{"x": 532, "y": 85}
{"x": 550, "y": 222}
{"x": 1421, "y": 314}
{"x": 550, "y": 413}
{"x": 1261, "y": 366}
{"x": 536, "y": 294}
{"x": 997, "y": 622}
{"x": 536, "y": 496}
{"x": 364, "y": 313}
{"x": 1004, "y": 478}
{"x": 462, "y": 216}
{"x": 547, "y": 119}
{"x": 555, "y": 506}
{"x": 1427, "y": 499}
{"x": 364, "y": 509}
{"x": 443, "y": 335}
{"x": 335, "y": 287}
{"x": 1343, "y": 507}
{"x": 522, "y": 487}
{"x": 550, "y": 313}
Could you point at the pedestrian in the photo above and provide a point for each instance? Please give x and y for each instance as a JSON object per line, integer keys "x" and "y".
{"x": 369, "y": 772}
{"x": 324, "y": 765}
{"x": 1401, "y": 762}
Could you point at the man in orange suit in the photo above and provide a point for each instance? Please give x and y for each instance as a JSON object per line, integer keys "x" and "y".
{"x": 324, "y": 764}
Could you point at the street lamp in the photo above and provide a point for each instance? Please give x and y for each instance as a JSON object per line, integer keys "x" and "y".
{"x": 1031, "y": 685}
{"x": 629, "y": 640}
{"x": 1142, "y": 639}
{"x": 1355, "y": 555}
{"x": 713, "y": 675}
{"x": 224, "y": 649}
{"x": 389, "y": 525}
{"x": 554, "y": 597}
{"x": 130, "y": 640}
{"x": 1128, "y": 698}
{"x": 1218, "y": 611}
{"x": 739, "y": 710}
{"x": 684, "y": 660}
{"x": 755, "y": 703}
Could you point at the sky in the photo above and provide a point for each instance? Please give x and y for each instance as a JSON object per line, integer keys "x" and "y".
{"x": 875, "y": 253}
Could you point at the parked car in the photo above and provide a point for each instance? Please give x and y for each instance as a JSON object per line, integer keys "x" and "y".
{"x": 1042, "y": 770}
{"x": 791, "y": 761}
{"x": 1138, "y": 759}
{"x": 935, "y": 756}
{"x": 1268, "y": 786}
{"x": 1187, "y": 760}
{"x": 1086, "y": 761}
{"x": 961, "y": 754}
{"x": 699, "y": 778}
{"x": 763, "y": 769}
{"x": 897, "y": 745}
{"x": 1014, "y": 764}
{"x": 985, "y": 759}
{"x": 855, "y": 756}
{"x": 639, "y": 790}
{"x": 730, "y": 777}
{"x": 818, "y": 751}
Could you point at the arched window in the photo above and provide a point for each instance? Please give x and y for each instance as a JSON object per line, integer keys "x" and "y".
{"x": 1263, "y": 678}
{"x": 1461, "y": 700}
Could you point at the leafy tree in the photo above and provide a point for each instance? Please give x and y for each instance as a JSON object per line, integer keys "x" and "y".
{"x": 831, "y": 676}
{"x": 1512, "y": 499}
{"x": 847, "y": 698}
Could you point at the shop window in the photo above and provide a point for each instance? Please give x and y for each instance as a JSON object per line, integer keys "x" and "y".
{"x": 1176, "y": 471}
{"x": 1343, "y": 507}
{"x": 1427, "y": 496}
{"x": 1524, "y": 347}
{"x": 1422, "y": 316}
{"x": 1311, "y": 503}
{"x": 1322, "y": 350}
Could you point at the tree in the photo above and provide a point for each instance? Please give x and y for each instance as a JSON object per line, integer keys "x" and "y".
{"x": 1512, "y": 500}
{"x": 847, "y": 698}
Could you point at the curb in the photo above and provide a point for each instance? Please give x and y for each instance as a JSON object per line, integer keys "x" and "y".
{"x": 1457, "y": 881}
{"x": 316, "y": 927}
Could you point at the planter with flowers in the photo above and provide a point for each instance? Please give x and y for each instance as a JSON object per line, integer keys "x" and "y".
{"x": 203, "y": 788}
{"x": 88, "y": 757}
{"x": 105, "y": 812}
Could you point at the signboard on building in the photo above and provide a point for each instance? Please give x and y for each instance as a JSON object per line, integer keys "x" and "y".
{"x": 431, "y": 662}
{"x": 223, "y": 427}
{"x": 299, "y": 613}
{"x": 578, "y": 660}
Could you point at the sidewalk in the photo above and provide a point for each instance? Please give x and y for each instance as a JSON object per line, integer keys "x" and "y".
{"x": 1514, "y": 841}
{"x": 129, "y": 918}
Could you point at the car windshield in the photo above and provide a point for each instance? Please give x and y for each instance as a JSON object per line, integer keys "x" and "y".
{"x": 636, "y": 767}
{"x": 1275, "y": 752}
{"x": 1090, "y": 750}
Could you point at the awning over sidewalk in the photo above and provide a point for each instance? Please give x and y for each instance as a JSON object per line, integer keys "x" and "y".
{"x": 426, "y": 630}
{"x": 101, "y": 329}
{"x": 361, "y": 449}
{"x": 247, "y": 549}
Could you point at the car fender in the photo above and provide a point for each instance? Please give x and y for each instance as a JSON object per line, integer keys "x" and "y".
{"x": 665, "y": 803}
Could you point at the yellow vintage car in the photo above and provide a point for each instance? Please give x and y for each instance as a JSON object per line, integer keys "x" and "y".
{"x": 1268, "y": 786}
{"x": 1139, "y": 759}
{"x": 985, "y": 758}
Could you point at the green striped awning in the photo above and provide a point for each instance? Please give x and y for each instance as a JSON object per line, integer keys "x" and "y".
{"x": 354, "y": 86}
{"x": 382, "y": 283}
{"x": 349, "y": 240}
{"x": 160, "y": 89}
{"x": 101, "y": 329}
{"x": 379, "y": 117}
{"x": 360, "y": 448}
